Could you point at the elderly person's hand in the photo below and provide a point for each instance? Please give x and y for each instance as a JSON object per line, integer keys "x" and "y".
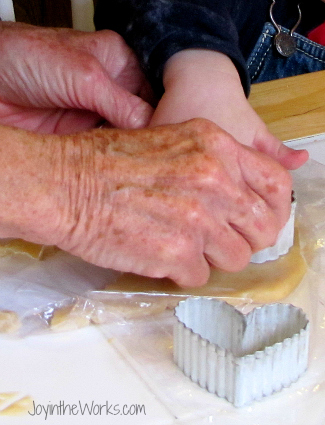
{"x": 62, "y": 80}
{"x": 164, "y": 201}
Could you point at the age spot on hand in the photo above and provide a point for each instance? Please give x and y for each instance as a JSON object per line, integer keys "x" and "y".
{"x": 272, "y": 188}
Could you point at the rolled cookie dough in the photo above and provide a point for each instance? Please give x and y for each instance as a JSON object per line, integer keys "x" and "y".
{"x": 262, "y": 283}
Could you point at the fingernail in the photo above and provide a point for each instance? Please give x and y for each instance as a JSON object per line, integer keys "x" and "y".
{"x": 140, "y": 116}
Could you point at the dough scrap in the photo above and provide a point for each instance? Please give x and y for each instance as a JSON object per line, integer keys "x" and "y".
{"x": 262, "y": 283}
{"x": 19, "y": 246}
{"x": 14, "y": 404}
{"x": 69, "y": 318}
{"x": 9, "y": 321}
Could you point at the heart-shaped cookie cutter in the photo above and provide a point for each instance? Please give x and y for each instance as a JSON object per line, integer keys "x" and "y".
{"x": 240, "y": 357}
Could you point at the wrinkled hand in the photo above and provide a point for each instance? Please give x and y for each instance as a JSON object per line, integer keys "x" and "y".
{"x": 169, "y": 201}
{"x": 203, "y": 83}
{"x": 62, "y": 80}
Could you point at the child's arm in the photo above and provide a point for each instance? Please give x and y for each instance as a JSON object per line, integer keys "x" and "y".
{"x": 204, "y": 83}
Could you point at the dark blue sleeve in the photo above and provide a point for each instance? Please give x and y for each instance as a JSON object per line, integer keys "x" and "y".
{"x": 157, "y": 29}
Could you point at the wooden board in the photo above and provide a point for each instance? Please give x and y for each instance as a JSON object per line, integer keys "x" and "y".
{"x": 292, "y": 107}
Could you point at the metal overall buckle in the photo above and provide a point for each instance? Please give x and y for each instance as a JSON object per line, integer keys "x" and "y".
{"x": 284, "y": 42}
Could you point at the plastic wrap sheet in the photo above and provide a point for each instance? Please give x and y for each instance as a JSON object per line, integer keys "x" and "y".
{"x": 49, "y": 295}
{"x": 309, "y": 183}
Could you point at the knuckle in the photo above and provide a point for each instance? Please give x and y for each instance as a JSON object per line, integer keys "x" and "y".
{"x": 194, "y": 214}
{"x": 115, "y": 37}
{"x": 286, "y": 180}
{"x": 107, "y": 35}
{"x": 177, "y": 250}
{"x": 282, "y": 182}
{"x": 200, "y": 123}
{"x": 201, "y": 128}
{"x": 206, "y": 125}
{"x": 91, "y": 71}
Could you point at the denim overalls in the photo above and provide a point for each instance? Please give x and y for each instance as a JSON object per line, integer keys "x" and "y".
{"x": 265, "y": 63}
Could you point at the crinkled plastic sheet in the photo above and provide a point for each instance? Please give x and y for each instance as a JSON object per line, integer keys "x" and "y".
{"x": 140, "y": 326}
{"x": 37, "y": 290}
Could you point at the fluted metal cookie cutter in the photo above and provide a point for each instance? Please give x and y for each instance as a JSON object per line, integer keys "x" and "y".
{"x": 284, "y": 241}
{"x": 240, "y": 357}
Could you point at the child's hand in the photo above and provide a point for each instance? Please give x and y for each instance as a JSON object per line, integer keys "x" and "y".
{"x": 204, "y": 83}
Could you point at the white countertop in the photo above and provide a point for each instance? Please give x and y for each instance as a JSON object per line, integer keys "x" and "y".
{"x": 314, "y": 144}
